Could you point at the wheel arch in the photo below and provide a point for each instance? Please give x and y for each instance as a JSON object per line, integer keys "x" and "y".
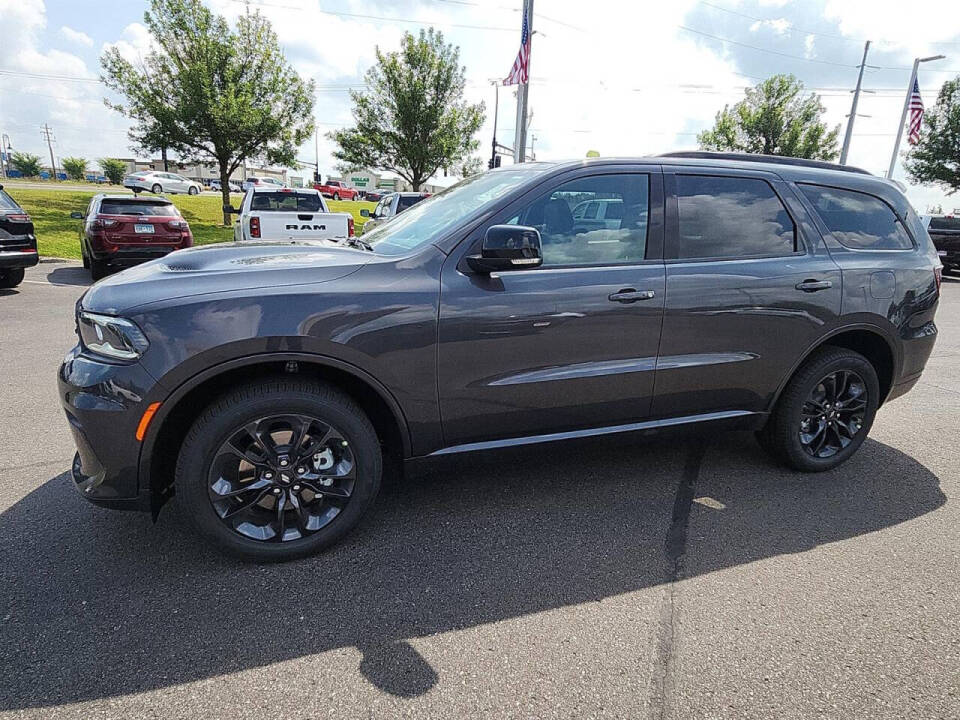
{"x": 173, "y": 419}
{"x": 868, "y": 340}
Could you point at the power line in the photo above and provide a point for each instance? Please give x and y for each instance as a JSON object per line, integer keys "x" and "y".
{"x": 765, "y": 50}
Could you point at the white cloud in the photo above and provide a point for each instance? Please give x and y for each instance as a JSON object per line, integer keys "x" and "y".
{"x": 135, "y": 43}
{"x": 76, "y": 36}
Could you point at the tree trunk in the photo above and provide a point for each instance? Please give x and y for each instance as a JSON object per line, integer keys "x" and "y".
{"x": 225, "y": 194}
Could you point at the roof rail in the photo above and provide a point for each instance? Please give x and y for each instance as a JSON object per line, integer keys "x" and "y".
{"x": 757, "y": 158}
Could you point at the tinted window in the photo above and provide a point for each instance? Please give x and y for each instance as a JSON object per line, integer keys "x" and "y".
{"x": 944, "y": 223}
{"x": 301, "y": 202}
{"x": 614, "y": 211}
{"x": 591, "y": 212}
{"x": 407, "y": 201}
{"x": 565, "y": 242}
{"x": 6, "y": 202}
{"x": 731, "y": 217}
{"x": 858, "y": 220}
{"x": 137, "y": 207}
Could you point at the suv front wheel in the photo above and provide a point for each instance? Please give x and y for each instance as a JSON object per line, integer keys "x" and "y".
{"x": 825, "y": 412}
{"x": 279, "y": 469}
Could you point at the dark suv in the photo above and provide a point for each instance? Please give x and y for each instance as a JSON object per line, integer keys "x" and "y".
{"x": 265, "y": 383}
{"x": 18, "y": 244}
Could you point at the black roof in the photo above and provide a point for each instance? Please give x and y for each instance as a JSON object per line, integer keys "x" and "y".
{"x": 759, "y": 158}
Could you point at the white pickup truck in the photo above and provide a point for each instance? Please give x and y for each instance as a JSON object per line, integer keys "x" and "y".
{"x": 289, "y": 214}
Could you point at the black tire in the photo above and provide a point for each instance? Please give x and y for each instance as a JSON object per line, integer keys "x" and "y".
{"x": 84, "y": 256}
{"x": 11, "y": 278}
{"x": 156, "y": 189}
{"x": 245, "y": 404}
{"x": 192, "y": 190}
{"x": 98, "y": 269}
{"x": 781, "y": 437}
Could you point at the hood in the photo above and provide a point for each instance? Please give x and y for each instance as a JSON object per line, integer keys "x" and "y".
{"x": 224, "y": 267}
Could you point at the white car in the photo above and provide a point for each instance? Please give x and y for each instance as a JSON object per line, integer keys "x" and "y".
{"x": 269, "y": 213}
{"x": 160, "y": 182}
{"x": 267, "y": 182}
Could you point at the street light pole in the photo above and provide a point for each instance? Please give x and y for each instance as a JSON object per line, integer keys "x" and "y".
{"x": 496, "y": 109}
{"x": 520, "y": 141}
{"x": 906, "y": 106}
{"x": 853, "y": 108}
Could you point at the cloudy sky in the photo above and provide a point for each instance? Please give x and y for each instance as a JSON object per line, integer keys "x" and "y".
{"x": 626, "y": 77}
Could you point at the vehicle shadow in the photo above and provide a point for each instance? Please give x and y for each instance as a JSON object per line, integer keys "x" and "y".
{"x": 99, "y": 604}
{"x": 70, "y": 275}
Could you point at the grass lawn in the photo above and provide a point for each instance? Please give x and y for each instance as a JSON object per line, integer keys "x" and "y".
{"x": 59, "y": 236}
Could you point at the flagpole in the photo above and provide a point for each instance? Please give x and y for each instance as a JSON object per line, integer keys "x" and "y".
{"x": 906, "y": 106}
{"x": 520, "y": 137}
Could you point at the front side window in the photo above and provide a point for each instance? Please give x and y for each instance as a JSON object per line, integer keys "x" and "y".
{"x": 7, "y": 203}
{"x": 730, "y": 217}
{"x": 857, "y": 220}
{"x": 567, "y": 240}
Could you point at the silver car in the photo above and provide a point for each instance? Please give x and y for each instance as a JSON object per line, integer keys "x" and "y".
{"x": 160, "y": 182}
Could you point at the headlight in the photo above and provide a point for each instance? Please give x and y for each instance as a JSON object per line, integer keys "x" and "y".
{"x": 111, "y": 337}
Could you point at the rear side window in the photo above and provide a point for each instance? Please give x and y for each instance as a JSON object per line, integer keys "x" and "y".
{"x": 857, "y": 220}
{"x": 7, "y": 203}
{"x": 729, "y": 217}
{"x": 134, "y": 207}
{"x": 300, "y": 202}
{"x": 407, "y": 201}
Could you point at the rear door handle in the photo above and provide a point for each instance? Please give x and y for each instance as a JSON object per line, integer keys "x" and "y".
{"x": 814, "y": 285}
{"x": 630, "y": 295}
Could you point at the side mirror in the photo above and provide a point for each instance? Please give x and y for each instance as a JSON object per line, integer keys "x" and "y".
{"x": 364, "y": 212}
{"x": 231, "y": 209}
{"x": 76, "y": 215}
{"x": 508, "y": 247}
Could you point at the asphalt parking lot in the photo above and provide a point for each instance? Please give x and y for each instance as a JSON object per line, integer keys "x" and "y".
{"x": 675, "y": 578}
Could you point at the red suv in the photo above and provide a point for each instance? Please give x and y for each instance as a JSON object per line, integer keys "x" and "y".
{"x": 122, "y": 230}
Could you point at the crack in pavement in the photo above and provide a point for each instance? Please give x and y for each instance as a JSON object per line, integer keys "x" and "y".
{"x": 675, "y": 548}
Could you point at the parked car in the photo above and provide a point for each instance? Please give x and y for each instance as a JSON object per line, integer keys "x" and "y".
{"x": 287, "y": 214}
{"x": 18, "y": 244}
{"x": 264, "y": 383}
{"x": 119, "y": 231}
{"x": 336, "y": 190}
{"x": 390, "y": 206}
{"x": 234, "y": 186}
{"x": 160, "y": 182}
{"x": 374, "y": 195}
{"x": 268, "y": 182}
{"x": 945, "y": 232}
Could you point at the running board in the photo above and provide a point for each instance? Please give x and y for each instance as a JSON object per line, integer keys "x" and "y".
{"x": 592, "y": 432}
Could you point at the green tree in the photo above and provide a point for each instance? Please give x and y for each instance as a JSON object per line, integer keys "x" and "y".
{"x": 27, "y": 163}
{"x": 75, "y": 167}
{"x": 775, "y": 118}
{"x": 212, "y": 93}
{"x": 114, "y": 169}
{"x": 412, "y": 118}
{"x": 935, "y": 160}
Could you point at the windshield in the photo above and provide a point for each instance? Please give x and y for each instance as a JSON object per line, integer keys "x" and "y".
{"x": 7, "y": 203}
{"x": 138, "y": 207}
{"x": 428, "y": 220}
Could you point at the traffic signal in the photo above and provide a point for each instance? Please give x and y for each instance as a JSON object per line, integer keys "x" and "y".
{"x": 496, "y": 162}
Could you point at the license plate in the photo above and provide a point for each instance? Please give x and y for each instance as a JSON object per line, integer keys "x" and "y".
{"x": 143, "y": 228}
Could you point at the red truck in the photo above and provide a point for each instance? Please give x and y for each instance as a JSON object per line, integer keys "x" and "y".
{"x": 336, "y": 190}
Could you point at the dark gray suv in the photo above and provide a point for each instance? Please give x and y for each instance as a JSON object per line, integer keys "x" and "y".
{"x": 265, "y": 383}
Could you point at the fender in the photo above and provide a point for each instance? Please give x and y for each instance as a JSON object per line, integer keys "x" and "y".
{"x": 824, "y": 339}
{"x": 173, "y": 397}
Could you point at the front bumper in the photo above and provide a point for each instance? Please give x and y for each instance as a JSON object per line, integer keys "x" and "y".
{"x": 103, "y": 403}
{"x": 18, "y": 259}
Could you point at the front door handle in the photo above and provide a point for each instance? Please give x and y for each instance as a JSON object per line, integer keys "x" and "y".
{"x": 814, "y": 285}
{"x": 630, "y": 295}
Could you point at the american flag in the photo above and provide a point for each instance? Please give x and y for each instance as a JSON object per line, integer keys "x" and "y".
{"x": 520, "y": 73}
{"x": 916, "y": 114}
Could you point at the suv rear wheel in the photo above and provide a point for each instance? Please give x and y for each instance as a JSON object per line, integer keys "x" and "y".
{"x": 11, "y": 278}
{"x": 98, "y": 269}
{"x": 279, "y": 469}
{"x": 825, "y": 412}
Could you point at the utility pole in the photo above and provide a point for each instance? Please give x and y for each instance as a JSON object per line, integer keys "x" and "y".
{"x": 496, "y": 109}
{"x": 520, "y": 142}
{"x": 316, "y": 157}
{"x": 47, "y": 133}
{"x": 853, "y": 108}
{"x": 906, "y": 106}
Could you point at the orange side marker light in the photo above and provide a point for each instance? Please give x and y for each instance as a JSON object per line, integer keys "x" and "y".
{"x": 145, "y": 420}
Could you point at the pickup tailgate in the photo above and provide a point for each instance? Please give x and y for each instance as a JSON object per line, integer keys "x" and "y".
{"x": 301, "y": 225}
{"x": 945, "y": 233}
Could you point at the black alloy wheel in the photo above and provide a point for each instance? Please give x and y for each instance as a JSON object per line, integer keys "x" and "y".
{"x": 278, "y": 469}
{"x": 282, "y": 478}
{"x": 833, "y": 413}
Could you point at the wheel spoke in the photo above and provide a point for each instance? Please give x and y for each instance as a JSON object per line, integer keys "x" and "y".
{"x": 281, "y": 516}
{"x": 246, "y": 505}
{"x": 255, "y": 485}
{"x": 331, "y": 490}
{"x": 302, "y": 514}
{"x": 317, "y": 445}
